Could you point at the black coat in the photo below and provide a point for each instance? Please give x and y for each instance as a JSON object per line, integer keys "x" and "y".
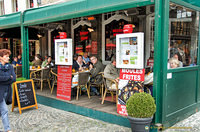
{"x": 76, "y": 66}
{"x": 6, "y": 81}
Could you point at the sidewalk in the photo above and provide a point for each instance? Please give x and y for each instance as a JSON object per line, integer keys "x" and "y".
{"x": 190, "y": 124}
{"x": 48, "y": 119}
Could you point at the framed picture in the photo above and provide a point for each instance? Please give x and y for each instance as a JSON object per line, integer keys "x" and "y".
{"x": 130, "y": 50}
{"x": 63, "y": 51}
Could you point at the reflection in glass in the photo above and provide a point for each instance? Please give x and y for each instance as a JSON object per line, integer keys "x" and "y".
{"x": 183, "y": 35}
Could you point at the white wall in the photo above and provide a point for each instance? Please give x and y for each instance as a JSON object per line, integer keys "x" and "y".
{"x": 35, "y": 4}
{"x": 8, "y": 6}
{"x": 22, "y": 5}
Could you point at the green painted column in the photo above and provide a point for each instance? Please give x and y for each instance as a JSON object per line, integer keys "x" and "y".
{"x": 198, "y": 63}
{"x": 160, "y": 55}
{"x": 25, "y": 50}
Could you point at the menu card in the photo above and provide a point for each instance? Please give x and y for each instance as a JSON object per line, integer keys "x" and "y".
{"x": 130, "y": 50}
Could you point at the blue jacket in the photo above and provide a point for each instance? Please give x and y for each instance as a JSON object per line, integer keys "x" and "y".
{"x": 6, "y": 80}
{"x": 14, "y": 63}
{"x": 19, "y": 61}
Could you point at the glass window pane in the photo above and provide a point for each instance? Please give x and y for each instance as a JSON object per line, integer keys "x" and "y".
{"x": 183, "y": 36}
{"x": 113, "y": 28}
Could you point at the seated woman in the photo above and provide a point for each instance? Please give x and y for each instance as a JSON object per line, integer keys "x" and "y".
{"x": 37, "y": 61}
{"x": 173, "y": 63}
{"x": 79, "y": 65}
{"x": 47, "y": 63}
{"x": 179, "y": 58}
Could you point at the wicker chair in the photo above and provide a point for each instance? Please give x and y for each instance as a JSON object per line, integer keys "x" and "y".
{"x": 99, "y": 85}
{"x": 83, "y": 78}
{"x": 41, "y": 76}
{"x": 18, "y": 71}
{"x": 109, "y": 90}
{"x": 53, "y": 78}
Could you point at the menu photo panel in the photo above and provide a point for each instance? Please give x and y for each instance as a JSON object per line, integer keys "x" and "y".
{"x": 63, "y": 51}
{"x": 130, "y": 50}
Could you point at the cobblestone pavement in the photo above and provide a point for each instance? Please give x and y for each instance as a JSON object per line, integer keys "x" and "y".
{"x": 48, "y": 119}
{"x": 190, "y": 124}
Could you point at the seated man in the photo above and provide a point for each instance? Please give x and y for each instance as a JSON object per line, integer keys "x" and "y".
{"x": 47, "y": 63}
{"x": 78, "y": 65}
{"x": 94, "y": 70}
{"x": 111, "y": 72}
{"x": 37, "y": 61}
{"x": 86, "y": 59}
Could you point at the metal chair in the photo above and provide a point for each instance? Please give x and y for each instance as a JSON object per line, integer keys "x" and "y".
{"x": 41, "y": 76}
{"x": 109, "y": 90}
{"x": 83, "y": 78}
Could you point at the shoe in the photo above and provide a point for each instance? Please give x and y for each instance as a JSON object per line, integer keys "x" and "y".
{"x": 92, "y": 93}
{"x": 97, "y": 93}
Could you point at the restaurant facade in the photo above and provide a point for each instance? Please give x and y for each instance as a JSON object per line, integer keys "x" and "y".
{"x": 167, "y": 25}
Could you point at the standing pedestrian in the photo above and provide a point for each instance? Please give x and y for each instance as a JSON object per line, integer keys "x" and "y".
{"x": 7, "y": 77}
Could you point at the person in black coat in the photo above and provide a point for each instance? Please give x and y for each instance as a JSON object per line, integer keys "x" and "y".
{"x": 78, "y": 65}
{"x": 7, "y": 77}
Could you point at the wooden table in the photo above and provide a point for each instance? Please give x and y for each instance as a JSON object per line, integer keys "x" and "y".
{"x": 75, "y": 73}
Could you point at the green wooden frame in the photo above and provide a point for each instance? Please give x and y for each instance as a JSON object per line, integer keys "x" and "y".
{"x": 160, "y": 57}
{"x": 160, "y": 65}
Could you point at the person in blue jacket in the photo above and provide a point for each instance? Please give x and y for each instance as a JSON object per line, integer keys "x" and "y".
{"x": 19, "y": 59}
{"x": 14, "y": 62}
{"x": 7, "y": 77}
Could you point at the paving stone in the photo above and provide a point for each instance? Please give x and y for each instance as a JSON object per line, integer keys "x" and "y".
{"x": 48, "y": 119}
{"x": 190, "y": 124}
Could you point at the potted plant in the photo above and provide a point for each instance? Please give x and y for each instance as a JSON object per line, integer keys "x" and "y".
{"x": 140, "y": 108}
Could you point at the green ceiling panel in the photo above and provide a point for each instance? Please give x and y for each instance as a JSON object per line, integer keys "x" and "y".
{"x": 193, "y": 2}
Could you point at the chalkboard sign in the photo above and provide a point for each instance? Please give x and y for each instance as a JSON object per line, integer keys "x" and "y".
{"x": 24, "y": 95}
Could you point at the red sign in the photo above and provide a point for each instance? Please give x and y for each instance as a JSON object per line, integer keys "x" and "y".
{"x": 64, "y": 82}
{"x": 83, "y": 33}
{"x": 150, "y": 62}
{"x": 121, "y": 109}
{"x": 132, "y": 74}
{"x": 117, "y": 31}
{"x": 128, "y": 28}
{"x": 84, "y": 38}
{"x": 94, "y": 47}
{"x": 63, "y": 35}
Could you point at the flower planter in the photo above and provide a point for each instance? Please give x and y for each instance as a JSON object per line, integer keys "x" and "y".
{"x": 140, "y": 124}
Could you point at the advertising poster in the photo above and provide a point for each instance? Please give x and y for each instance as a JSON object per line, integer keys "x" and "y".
{"x": 132, "y": 74}
{"x": 130, "y": 50}
{"x": 64, "y": 82}
{"x": 94, "y": 47}
{"x": 63, "y": 51}
{"x": 131, "y": 81}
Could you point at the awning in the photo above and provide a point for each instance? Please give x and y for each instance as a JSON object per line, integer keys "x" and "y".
{"x": 78, "y": 8}
{"x": 10, "y": 21}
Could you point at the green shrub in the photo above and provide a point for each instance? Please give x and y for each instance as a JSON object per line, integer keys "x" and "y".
{"x": 30, "y": 64}
{"x": 20, "y": 79}
{"x": 141, "y": 105}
